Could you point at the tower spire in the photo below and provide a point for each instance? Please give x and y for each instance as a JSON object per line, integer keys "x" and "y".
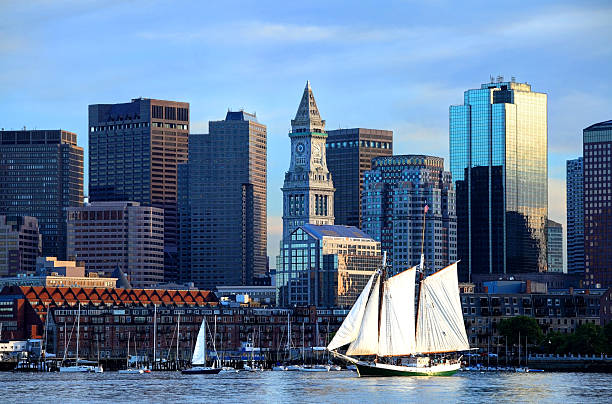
{"x": 307, "y": 118}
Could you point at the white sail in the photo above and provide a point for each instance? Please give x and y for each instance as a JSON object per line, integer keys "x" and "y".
{"x": 199, "y": 352}
{"x": 397, "y": 315}
{"x": 349, "y": 330}
{"x": 440, "y": 326}
{"x": 367, "y": 339}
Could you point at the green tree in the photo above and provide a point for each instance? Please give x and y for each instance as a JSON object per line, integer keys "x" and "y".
{"x": 554, "y": 343}
{"x": 608, "y": 334}
{"x": 588, "y": 339}
{"x": 524, "y": 326}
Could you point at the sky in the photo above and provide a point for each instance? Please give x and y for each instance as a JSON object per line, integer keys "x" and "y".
{"x": 395, "y": 65}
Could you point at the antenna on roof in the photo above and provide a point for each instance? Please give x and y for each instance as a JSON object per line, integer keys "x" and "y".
{"x": 500, "y": 78}
{"x": 491, "y": 78}
{"x": 513, "y": 79}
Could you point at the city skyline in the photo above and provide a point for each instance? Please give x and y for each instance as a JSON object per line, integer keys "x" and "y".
{"x": 408, "y": 65}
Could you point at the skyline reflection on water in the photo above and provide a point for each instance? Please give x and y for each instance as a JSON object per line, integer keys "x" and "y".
{"x": 332, "y": 387}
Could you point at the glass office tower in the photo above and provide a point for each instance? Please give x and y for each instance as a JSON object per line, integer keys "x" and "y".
{"x": 498, "y": 146}
{"x": 575, "y": 216}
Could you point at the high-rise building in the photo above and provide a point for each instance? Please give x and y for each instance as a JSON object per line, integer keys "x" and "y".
{"x": 575, "y": 216}
{"x": 20, "y": 245}
{"x": 325, "y": 265}
{"x": 349, "y": 156}
{"x": 597, "y": 149}
{"x": 554, "y": 243}
{"x": 396, "y": 192}
{"x": 222, "y": 204}
{"x": 308, "y": 190}
{"x": 134, "y": 150}
{"x": 41, "y": 174}
{"x": 498, "y": 151}
{"x": 107, "y": 235}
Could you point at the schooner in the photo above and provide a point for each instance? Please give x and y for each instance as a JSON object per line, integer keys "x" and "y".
{"x": 382, "y": 323}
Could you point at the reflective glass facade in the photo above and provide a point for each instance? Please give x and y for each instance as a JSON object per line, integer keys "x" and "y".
{"x": 325, "y": 266}
{"x": 498, "y": 147}
{"x": 554, "y": 242}
{"x": 575, "y": 215}
{"x": 597, "y": 144}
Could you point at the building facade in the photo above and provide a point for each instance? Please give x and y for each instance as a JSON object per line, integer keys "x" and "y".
{"x": 20, "y": 245}
{"x": 134, "y": 150}
{"x": 396, "y": 191}
{"x": 41, "y": 174}
{"x": 575, "y": 215}
{"x": 107, "y": 235}
{"x": 308, "y": 190}
{"x": 325, "y": 265}
{"x": 222, "y": 204}
{"x": 349, "y": 156}
{"x": 498, "y": 151}
{"x": 597, "y": 144}
{"x": 554, "y": 245}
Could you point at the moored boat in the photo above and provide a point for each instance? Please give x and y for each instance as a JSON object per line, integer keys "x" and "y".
{"x": 198, "y": 359}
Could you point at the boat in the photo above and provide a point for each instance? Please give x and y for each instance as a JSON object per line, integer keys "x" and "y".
{"x": 130, "y": 370}
{"x": 294, "y": 368}
{"x": 279, "y": 368}
{"x": 80, "y": 366}
{"x": 198, "y": 359}
{"x": 315, "y": 368}
{"x": 382, "y": 324}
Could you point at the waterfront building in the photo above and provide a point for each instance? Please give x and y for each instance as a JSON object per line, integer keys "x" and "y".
{"x": 107, "y": 235}
{"x": 325, "y": 265}
{"x": 396, "y": 191}
{"x": 259, "y": 294}
{"x": 308, "y": 190}
{"x": 134, "y": 150}
{"x": 597, "y": 152}
{"x": 41, "y": 174}
{"x": 222, "y": 204}
{"x": 349, "y": 156}
{"x": 53, "y": 279}
{"x": 498, "y": 152}
{"x": 554, "y": 243}
{"x": 575, "y": 215}
{"x": 20, "y": 245}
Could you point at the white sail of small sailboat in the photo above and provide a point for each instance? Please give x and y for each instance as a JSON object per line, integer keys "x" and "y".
{"x": 198, "y": 359}
{"x": 382, "y": 323}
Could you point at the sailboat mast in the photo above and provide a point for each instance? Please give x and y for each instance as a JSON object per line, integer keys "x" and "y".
{"x": 78, "y": 329}
{"x": 154, "y": 334}
{"x": 178, "y": 333}
{"x": 127, "y": 357}
{"x": 422, "y": 264}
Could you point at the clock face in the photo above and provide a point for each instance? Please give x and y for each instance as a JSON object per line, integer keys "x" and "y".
{"x": 300, "y": 148}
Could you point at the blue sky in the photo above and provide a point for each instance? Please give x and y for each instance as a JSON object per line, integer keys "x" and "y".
{"x": 394, "y": 65}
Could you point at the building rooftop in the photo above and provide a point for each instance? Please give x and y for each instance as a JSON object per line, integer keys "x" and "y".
{"x": 605, "y": 125}
{"x": 320, "y": 231}
{"x": 240, "y": 116}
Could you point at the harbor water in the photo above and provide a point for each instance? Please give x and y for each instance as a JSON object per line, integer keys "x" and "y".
{"x": 331, "y": 387}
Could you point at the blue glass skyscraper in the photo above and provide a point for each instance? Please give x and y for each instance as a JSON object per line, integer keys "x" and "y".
{"x": 498, "y": 148}
{"x": 575, "y": 215}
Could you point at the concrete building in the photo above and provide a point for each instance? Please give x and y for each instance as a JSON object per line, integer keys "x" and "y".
{"x": 575, "y": 215}
{"x": 265, "y": 295}
{"x": 554, "y": 243}
{"x": 134, "y": 150}
{"x": 597, "y": 144}
{"x": 308, "y": 190}
{"x": 499, "y": 163}
{"x": 222, "y": 204}
{"x": 41, "y": 174}
{"x": 396, "y": 191}
{"x": 107, "y": 235}
{"x": 349, "y": 156}
{"x": 325, "y": 266}
{"x": 20, "y": 245}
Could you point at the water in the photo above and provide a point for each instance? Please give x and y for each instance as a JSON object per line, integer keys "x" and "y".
{"x": 289, "y": 387}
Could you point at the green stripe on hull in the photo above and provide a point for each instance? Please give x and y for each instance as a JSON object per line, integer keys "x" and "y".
{"x": 364, "y": 371}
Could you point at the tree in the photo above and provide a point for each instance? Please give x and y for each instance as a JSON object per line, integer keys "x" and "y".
{"x": 524, "y": 326}
{"x": 588, "y": 339}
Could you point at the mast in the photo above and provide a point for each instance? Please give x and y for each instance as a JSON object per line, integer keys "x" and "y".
{"x": 154, "y": 335}
{"x": 178, "y": 333}
{"x": 422, "y": 264}
{"x": 44, "y": 352}
{"x": 519, "y": 355}
{"x": 127, "y": 357}
{"x": 78, "y": 330}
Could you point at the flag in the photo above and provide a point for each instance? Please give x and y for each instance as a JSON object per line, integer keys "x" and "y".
{"x": 426, "y": 208}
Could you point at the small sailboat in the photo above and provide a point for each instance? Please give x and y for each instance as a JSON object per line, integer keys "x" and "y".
{"x": 382, "y": 323}
{"x": 130, "y": 370}
{"x": 80, "y": 366}
{"x": 198, "y": 359}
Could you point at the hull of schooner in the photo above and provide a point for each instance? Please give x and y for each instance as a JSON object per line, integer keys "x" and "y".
{"x": 384, "y": 369}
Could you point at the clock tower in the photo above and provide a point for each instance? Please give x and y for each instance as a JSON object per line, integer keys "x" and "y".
{"x": 308, "y": 190}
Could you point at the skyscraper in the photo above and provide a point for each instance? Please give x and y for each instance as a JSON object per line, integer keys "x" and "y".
{"x": 107, "y": 235}
{"x": 575, "y": 216}
{"x": 396, "y": 191}
{"x": 308, "y": 190}
{"x": 554, "y": 243}
{"x": 222, "y": 204}
{"x": 41, "y": 174}
{"x": 134, "y": 150}
{"x": 20, "y": 245}
{"x": 597, "y": 144}
{"x": 349, "y": 156}
{"x": 498, "y": 150}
